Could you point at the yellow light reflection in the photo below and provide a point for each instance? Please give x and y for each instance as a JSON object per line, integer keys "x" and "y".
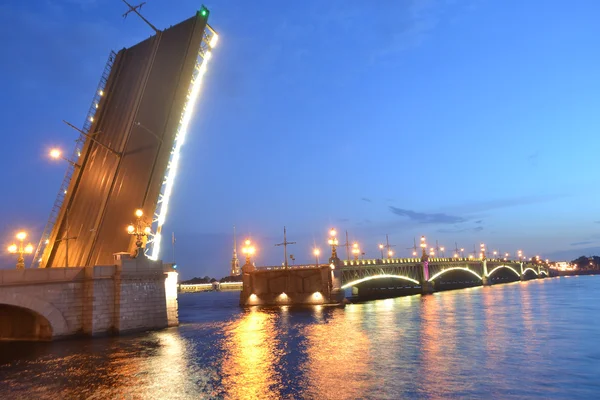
{"x": 249, "y": 363}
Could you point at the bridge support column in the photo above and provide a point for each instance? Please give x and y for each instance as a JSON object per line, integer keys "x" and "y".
{"x": 485, "y": 279}
{"x": 427, "y": 287}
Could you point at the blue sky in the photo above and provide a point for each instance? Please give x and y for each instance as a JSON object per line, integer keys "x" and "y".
{"x": 465, "y": 121}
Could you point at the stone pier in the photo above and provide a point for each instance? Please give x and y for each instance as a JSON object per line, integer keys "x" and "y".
{"x": 291, "y": 286}
{"x": 134, "y": 294}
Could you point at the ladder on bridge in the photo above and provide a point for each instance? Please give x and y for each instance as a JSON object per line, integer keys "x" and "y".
{"x": 64, "y": 186}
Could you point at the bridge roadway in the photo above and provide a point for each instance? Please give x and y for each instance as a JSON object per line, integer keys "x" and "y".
{"x": 395, "y": 276}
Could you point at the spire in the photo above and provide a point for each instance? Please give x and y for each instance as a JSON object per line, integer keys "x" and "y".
{"x": 235, "y": 263}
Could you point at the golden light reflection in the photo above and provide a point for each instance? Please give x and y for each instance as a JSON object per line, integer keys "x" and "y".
{"x": 249, "y": 363}
{"x": 335, "y": 369}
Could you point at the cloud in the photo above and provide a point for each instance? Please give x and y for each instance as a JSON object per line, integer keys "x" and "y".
{"x": 460, "y": 230}
{"x": 582, "y": 243}
{"x": 367, "y": 199}
{"x": 427, "y": 218}
{"x": 479, "y": 221}
{"x": 472, "y": 208}
{"x": 532, "y": 159}
{"x": 597, "y": 222}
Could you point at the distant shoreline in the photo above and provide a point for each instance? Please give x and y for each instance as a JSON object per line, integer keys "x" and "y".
{"x": 579, "y": 272}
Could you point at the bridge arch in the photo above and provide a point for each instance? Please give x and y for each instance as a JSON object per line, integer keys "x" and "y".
{"x": 382, "y": 276}
{"x": 530, "y": 269}
{"x": 18, "y": 305}
{"x": 504, "y": 266}
{"x": 442, "y": 272}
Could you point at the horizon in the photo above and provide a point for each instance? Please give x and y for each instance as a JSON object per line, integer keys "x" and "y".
{"x": 432, "y": 119}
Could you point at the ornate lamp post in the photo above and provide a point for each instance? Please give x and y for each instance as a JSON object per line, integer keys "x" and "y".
{"x": 355, "y": 251}
{"x": 248, "y": 250}
{"x": 140, "y": 232}
{"x": 333, "y": 242}
{"x": 317, "y": 252}
{"x": 20, "y": 249}
{"x": 482, "y": 251}
{"x": 423, "y": 248}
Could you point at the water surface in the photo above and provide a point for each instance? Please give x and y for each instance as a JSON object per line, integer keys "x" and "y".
{"x": 536, "y": 339}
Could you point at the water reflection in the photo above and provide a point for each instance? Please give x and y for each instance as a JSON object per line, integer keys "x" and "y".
{"x": 251, "y": 351}
{"x": 338, "y": 356}
{"x": 521, "y": 340}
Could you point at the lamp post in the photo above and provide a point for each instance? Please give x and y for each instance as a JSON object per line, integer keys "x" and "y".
{"x": 423, "y": 248}
{"x": 390, "y": 253}
{"x": 381, "y": 249}
{"x": 316, "y": 252}
{"x": 520, "y": 254}
{"x": 248, "y": 250}
{"x": 140, "y": 231}
{"x": 442, "y": 250}
{"x": 20, "y": 249}
{"x": 333, "y": 242}
{"x": 355, "y": 251}
{"x": 56, "y": 154}
{"x": 462, "y": 252}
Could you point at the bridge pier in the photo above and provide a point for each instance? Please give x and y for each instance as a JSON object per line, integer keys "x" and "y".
{"x": 427, "y": 287}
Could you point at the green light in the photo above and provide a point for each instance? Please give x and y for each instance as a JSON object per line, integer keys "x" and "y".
{"x": 203, "y": 13}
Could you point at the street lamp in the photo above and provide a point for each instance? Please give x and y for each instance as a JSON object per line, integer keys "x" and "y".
{"x": 462, "y": 252}
{"x": 442, "y": 250}
{"x": 248, "y": 250}
{"x": 140, "y": 231}
{"x": 482, "y": 251}
{"x": 56, "y": 154}
{"x": 381, "y": 249}
{"x": 355, "y": 251}
{"x": 520, "y": 254}
{"x": 20, "y": 249}
{"x": 495, "y": 254}
{"x": 423, "y": 247}
{"x": 317, "y": 252}
{"x": 333, "y": 242}
{"x": 390, "y": 253}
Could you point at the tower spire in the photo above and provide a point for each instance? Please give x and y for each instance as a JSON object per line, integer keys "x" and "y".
{"x": 235, "y": 263}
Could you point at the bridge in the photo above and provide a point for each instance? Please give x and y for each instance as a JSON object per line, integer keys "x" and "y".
{"x": 368, "y": 277}
{"x": 377, "y": 278}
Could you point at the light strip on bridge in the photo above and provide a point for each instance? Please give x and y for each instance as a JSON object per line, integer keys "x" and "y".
{"x": 356, "y": 282}
{"x": 504, "y": 266}
{"x": 530, "y": 269}
{"x": 188, "y": 110}
{"x": 452, "y": 269}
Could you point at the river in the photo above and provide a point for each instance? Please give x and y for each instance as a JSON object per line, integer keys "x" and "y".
{"x": 535, "y": 339}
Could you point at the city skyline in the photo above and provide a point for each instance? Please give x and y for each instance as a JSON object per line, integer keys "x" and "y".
{"x": 445, "y": 124}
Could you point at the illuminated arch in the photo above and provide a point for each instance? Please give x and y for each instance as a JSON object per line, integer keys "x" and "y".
{"x": 455, "y": 268}
{"x": 384, "y": 276}
{"x": 530, "y": 269}
{"x": 543, "y": 272}
{"x": 504, "y": 266}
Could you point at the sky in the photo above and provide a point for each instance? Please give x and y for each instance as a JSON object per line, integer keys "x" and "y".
{"x": 464, "y": 121}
